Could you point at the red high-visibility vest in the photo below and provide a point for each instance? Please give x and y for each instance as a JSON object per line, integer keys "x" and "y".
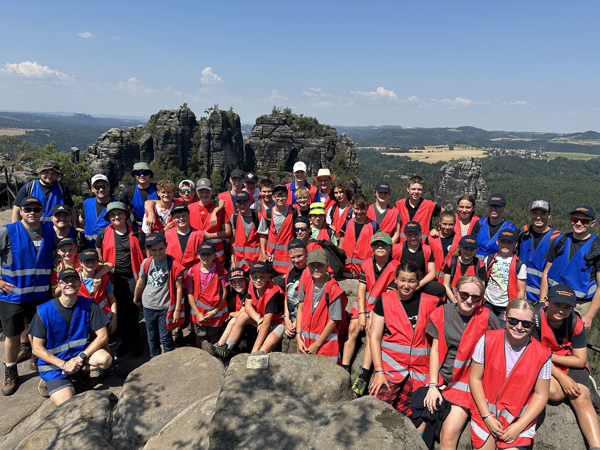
{"x": 512, "y": 275}
{"x": 338, "y": 220}
{"x": 473, "y": 269}
{"x": 277, "y": 242}
{"x": 375, "y": 286}
{"x": 99, "y": 295}
{"x": 423, "y": 216}
{"x": 246, "y": 249}
{"x": 209, "y": 298}
{"x": 260, "y": 303}
{"x": 189, "y": 257}
{"x": 388, "y": 224}
{"x": 549, "y": 340}
{"x": 357, "y": 249}
{"x": 507, "y": 397}
{"x": 200, "y": 220}
{"x": 474, "y": 220}
{"x": 438, "y": 253}
{"x": 176, "y": 269}
{"x": 405, "y": 352}
{"x": 313, "y": 323}
{"x": 457, "y": 390}
{"x": 158, "y": 225}
{"x": 230, "y": 207}
{"x": 109, "y": 251}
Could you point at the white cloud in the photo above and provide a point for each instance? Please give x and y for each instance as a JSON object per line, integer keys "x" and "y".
{"x": 412, "y": 99}
{"x": 518, "y": 102}
{"x": 85, "y": 35}
{"x": 380, "y": 92}
{"x": 170, "y": 90}
{"x": 324, "y": 104}
{"x": 315, "y": 92}
{"x": 275, "y": 95}
{"x": 134, "y": 86}
{"x": 209, "y": 77}
{"x": 28, "y": 69}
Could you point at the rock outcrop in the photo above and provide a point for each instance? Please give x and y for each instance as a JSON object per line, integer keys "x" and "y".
{"x": 221, "y": 142}
{"x": 275, "y": 144}
{"x": 459, "y": 177}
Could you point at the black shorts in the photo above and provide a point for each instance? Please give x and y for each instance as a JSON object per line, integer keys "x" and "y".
{"x": 13, "y": 316}
{"x": 581, "y": 376}
{"x": 56, "y": 385}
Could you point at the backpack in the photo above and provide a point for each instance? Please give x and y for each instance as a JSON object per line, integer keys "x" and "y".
{"x": 29, "y": 190}
{"x": 537, "y": 320}
{"x": 335, "y": 206}
{"x": 255, "y": 219}
{"x": 336, "y": 257}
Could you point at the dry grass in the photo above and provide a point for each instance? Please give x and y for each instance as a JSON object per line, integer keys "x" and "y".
{"x": 433, "y": 154}
{"x": 18, "y": 131}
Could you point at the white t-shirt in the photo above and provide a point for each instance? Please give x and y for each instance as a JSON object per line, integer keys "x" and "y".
{"x": 496, "y": 291}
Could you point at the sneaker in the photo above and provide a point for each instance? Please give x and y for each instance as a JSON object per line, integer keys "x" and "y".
{"x": 11, "y": 378}
{"x": 358, "y": 388}
{"x": 24, "y": 353}
{"x": 209, "y": 348}
{"x": 221, "y": 352}
{"x": 33, "y": 363}
{"x": 43, "y": 389}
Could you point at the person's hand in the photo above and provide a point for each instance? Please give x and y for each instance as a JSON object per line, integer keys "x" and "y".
{"x": 495, "y": 426}
{"x": 451, "y": 297}
{"x": 73, "y": 365}
{"x": 138, "y": 303}
{"x": 213, "y": 219}
{"x": 7, "y": 288}
{"x": 169, "y": 225}
{"x": 432, "y": 398}
{"x": 263, "y": 257}
{"x": 301, "y": 346}
{"x": 587, "y": 321}
{"x": 511, "y": 433}
{"x": 570, "y": 386}
{"x": 290, "y": 328}
{"x": 313, "y": 349}
{"x": 112, "y": 326}
{"x": 175, "y": 316}
{"x": 151, "y": 219}
{"x": 368, "y": 326}
{"x": 80, "y": 229}
{"x": 362, "y": 322}
{"x": 97, "y": 281}
{"x": 200, "y": 317}
{"x": 434, "y": 233}
{"x": 377, "y": 382}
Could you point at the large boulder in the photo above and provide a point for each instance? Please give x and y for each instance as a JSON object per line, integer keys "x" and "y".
{"x": 158, "y": 391}
{"x": 459, "y": 177}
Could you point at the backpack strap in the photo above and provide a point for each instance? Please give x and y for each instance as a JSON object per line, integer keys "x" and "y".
{"x": 255, "y": 219}
{"x": 559, "y": 248}
{"x": 331, "y": 211}
{"x": 537, "y": 318}
{"x": 518, "y": 263}
{"x": 490, "y": 263}
{"x": 453, "y": 265}
{"x": 235, "y": 218}
{"x": 374, "y": 225}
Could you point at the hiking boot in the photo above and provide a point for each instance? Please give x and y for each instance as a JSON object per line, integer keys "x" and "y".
{"x": 209, "y": 348}
{"x": 11, "y": 378}
{"x": 221, "y": 352}
{"x": 24, "y": 352}
{"x": 33, "y": 363}
{"x": 43, "y": 389}
{"x": 358, "y": 388}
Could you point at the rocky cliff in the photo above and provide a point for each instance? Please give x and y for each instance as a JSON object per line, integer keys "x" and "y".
{"x": 459, "y": 177}
{"x": 221, "y": 142}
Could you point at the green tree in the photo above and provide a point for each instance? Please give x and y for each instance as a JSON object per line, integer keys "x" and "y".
{"x": 217, "y": 181}
{"x": 163, "y": 169}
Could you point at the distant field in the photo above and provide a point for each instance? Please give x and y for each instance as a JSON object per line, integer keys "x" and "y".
{"x": 437, "y": 153}
{"x": 577, "y": 156}
{"x": 18, "y": 131}
{"x": 511, "y": 139}
{"x": 573, "y": 141}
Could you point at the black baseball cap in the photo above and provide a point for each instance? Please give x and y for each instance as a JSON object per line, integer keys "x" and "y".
{"x": 280, "y": 187}
{"x": 236, "y": 173}
{"x": 561, "y": 293}
{"x": 584, "y": 209}
{"x": 206, "y": 247}
{"x": 413, "y": 225}
{"x": 497, "y": 199}
{"x": 31, "y": 200}
{"x": 66, "y": 241}
{"x": 302, "y": 219}
{"x": 251, "y": 176}
{"x": 383, "y": 187}
{"x": 241, "y": 196}
{"x": 60, "y": 208}
{"x": 508, "y": 235}
{"x": 179, "y": 208}
{"x": 259, "y": 266}
{"x": 89, "y": 253}
{"x": 238, "y": 273}
{"x": 70, "y": 272}
{"x": 468, "y": 241}
{"x": 155, "y": 238}
{"x": 296, "y": 243}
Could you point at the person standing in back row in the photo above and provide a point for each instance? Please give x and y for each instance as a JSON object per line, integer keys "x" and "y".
{"x": 416, "y": 208}
{"x": 94, "y": 209}
{"x": 487, "y": 228}
{"x": 136, "y": 195}
{"x": 299, "y": 181}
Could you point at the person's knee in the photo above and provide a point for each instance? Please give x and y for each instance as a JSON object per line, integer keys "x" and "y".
{"x": 101, "y": 359}
{"x": 63, "y": 395}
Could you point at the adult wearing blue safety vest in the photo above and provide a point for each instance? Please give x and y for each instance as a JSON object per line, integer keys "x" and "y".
{"x": 59, "y": 333}
{"x": 94, "y": 209}
{"x": 534, "y": 242}
{"x": 49, "y": 190}
{"x": 487, "y": 228}
{"x": 26, "y": 263}
{"x": 136, "y": 195}
{"x": 574, "y": 260}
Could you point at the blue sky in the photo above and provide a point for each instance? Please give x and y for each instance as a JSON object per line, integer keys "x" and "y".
{"x": 512, "y": 65}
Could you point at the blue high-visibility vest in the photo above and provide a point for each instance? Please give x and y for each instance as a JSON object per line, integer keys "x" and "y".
{"x": 93, "y": 224}
{"x": 138, "y": 202}
{"x": 486, "y": 245}
{"x": 55, "y": 198}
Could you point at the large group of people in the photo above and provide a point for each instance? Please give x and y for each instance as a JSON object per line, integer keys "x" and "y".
{"x": 472, "y": 319}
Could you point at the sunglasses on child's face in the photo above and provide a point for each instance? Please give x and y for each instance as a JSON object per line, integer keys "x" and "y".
{"x": 514, "y": 322}
{"x": 301, "y": 228}
{"x": 186, "y": 191}
{"x": 465, "y": 295}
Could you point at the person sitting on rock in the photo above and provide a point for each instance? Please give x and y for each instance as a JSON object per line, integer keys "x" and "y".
{"x": 61, "y": 221}
{"x": 302, "y": 204}
{"x": 59, "y": 332}
{"x": 463, "y": 262}
{"x": 387, "y": 217}
{"x": 376, "y": 275}
{"x": 266, "y": 197}
{"x": 245, "y": 240}
{"x": 187, "y": 196}
{"x": 324, "y": 179}
{"x": 341, "y": 210}
{"x": 416, "y": 208}
{"x": 299, "y": 171}
{"x": 94, "y": 209}
{"x": 559, "y": 329}
{"x": 162, "y": 209}
{"x": 443, "y": 244}
{"x": 487, "y": 228}
{"x": 135, "y": 196}
{"x": 320, "y": 326}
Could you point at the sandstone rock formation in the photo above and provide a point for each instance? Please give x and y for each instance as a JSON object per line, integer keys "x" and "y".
{"x": 221, "y": 142}
{"x": 459, "y": 177}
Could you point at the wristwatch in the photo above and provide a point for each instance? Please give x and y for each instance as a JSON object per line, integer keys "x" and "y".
{"x": 83, "y": 356}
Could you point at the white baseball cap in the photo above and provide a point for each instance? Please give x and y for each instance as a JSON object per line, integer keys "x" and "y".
{"x": 299, "y": 166}
{"x": 99, "y": 177}
{"x": 188, "y": 183}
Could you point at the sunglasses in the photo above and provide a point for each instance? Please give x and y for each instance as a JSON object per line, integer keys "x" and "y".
{"x": 574, "y": 221}
{"x": 186, "y": 191}
{"x": 280, "y": 198}
{"x": 100, "y": 186}
{"x": 142, "y": 173}
{"x": 465, "y": 296}
{"x": 34, "y": 210}
{"x": 301, "y": 228}
{"x": 514, "y": 321}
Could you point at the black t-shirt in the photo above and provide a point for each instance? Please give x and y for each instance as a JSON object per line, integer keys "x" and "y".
{"x": 537, "y": 238}
{"x": 294, "y": 274}
{"x": 183, "y": 240}
{"x": 66, "y": 200}
{"x": 357, "y": 228}
{"x": 124, "y": 197}
{"x": 578, "y": 340}
{"x": 99, "y": 208}
{"x": 98, "y": 319}
{"x": 492, "y": 229}
{"x": 362, "y": 277}
{"x": 446, "y": 243}
{"x": 274, "y": 305}
{"x": 411, "y": 307}
{"x": 481, "y": 273}
{"x": 417, "y": 257}
{"x": 123, "y": 265}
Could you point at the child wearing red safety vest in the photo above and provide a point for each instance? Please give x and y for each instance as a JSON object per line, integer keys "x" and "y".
{"x": 302, "y": 205}
{"x": 355, "y": 237}
{"x": 294, "y": 278}
{"x": 509, "y": 382}
{"x": 206, "y": 288}
{"x": 321, "y": 305}
{"x": 245, "y": 240}
{"x": 187, "y": 196}
{"x": 416, "y": 208}
{"x": 69, "y": 258}
{"x": 340, "y": 212}
{"x": 399, "y": 344}
{"x": 265, "y": 306}
{"x": 506, "y": 274}
{"x": 443, "y": 243}
{"x": 461, "y": 263}
{"x": 455, "y": 328}
{"x": 559, "y": 329}
{"x": 387, "y": 216}
{"x": 160, "y": 287}
{"x": 376, "y": 276}
{"x": 183, "y": 240}
{"x": 165, "y": 190}
{"x": 465, "y": 219}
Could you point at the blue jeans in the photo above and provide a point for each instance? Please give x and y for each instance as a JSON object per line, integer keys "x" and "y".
{"x": 156, "y": 328}
{"x": 498, "y": 311}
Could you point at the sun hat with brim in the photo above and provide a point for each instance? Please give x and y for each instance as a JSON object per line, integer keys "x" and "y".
{"x": 381, "y": 237}
{"x": 50, "y": 165}
{"x": 316, "y": 209}
{"x": 112, "y": 206}
{"x": 324, "y": 173}
{"x": 140, "y": 166}
{"x": 561, "y": 293}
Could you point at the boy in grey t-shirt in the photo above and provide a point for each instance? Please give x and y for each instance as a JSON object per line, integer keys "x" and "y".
{"x": 154, "y": 287}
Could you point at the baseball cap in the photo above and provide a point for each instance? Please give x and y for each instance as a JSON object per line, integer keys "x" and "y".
{"x": 99, "y": 177}
{"x": 236, "y": 173}
{"x": 317, "y": 256}
{"x": 508, "y": 235}
{"x": 155, "y": 238}
{"x": 206, "y": 247}
{"x": 561, "y": 293}
{"x": 299, "y": 166}
{"x": 50, "y": 165}
{"x": 251, "y": 176}
{"x": 238, "y": 273}
{"x": 302, "y": 219}
{"x": 296, "y": 243}
{"x": 468, "y": 241}
{"x": 412, "y": 226}
{"x": 89, "y": 253}
{"x": 242, "y": 196}
{"x": 540, "y": 204}
{"x": 587, "y": 210}
{"x": 497, "y": 199}
{"x": 65, "y": 241}
{"x": 67, "y": 273}
{"x": 140, "y": 166}
{"x": 316, "y": 209}
{"x": 383, "y": 187}
{"x": 203, "y": 183}
{"x": 383, "y": 237}
{"x": 179, "y": 208}
{"x": 60, "y": 208}
{"x": 280, "y": 187}
{"x": 30, "y": 201}
{"x": 112, "y": 206}
{"x": 259, "y": 266}
{"x": 186, "y": 183}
